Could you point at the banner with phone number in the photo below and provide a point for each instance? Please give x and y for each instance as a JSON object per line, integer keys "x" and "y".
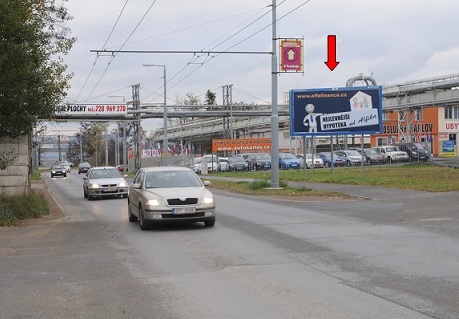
{"x": 92, "y": 109}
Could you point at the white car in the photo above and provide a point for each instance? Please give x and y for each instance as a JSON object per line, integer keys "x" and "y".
{"x": 392, "y": 153}
{"x": 169, "y": 194}
{"x": 223, "y": 164}
{"x": 104, "y": 181}
{"x": 212, "y": 164}
{"x": 318, "y": 161}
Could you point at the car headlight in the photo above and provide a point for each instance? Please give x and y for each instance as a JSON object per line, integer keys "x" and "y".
{"x": 153, "y": 202}
{"x": 94, "y": 185}
{"x": 207, "y": 200}
{"x": 122, "y": 184}
{"x": 54, "y": 172}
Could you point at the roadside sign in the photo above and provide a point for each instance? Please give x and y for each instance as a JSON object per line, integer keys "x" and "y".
{"x": 291, "y": 55}
{"x": 242, "y": 144}
{"x": 336, "y": 111}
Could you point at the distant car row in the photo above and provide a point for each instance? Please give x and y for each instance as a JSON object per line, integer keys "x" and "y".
{"x": 400, "y": 152}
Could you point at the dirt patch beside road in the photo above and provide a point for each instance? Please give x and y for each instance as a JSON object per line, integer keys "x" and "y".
{"x": 55, "y": 210}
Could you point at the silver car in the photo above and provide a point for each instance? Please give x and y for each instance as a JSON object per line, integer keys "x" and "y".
{"x": 169, "y": 195}
{"x": 104, "y": 181}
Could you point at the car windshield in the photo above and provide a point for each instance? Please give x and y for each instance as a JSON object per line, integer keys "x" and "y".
{"x": 353, "y": 153}
{"x": 105, "y": 173}
{"x": 262, "y": 157}
{"x": 392, "y": 149}
{"x": 58, "y": 167}
{"x": 168, "y": 179}
{"x": 371, "y": 151}
{"x": 287, "y": 156}
{"x": 418, "y": 146}
{"x": 237, "y": 159}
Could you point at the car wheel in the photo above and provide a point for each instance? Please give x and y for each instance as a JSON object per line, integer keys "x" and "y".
{"x": 124, "y": 195}
{"x": 209, "y": 223}
{"x": 85, "y": 195}
{"x": 142, "y": 222}
{"x": 348, "y": 163}
{"x": 368, "y": 161}
{"x": 132, "y": 218}
{"x": 65, "y": 175}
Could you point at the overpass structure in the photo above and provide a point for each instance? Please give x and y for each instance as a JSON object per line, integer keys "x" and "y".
{"x": 202, "y": 122}
{"x": 407, "y": 97}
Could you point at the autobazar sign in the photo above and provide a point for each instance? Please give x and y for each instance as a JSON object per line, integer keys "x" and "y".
{"x": 241, "y": 144}
{"x": 336, "y": 111}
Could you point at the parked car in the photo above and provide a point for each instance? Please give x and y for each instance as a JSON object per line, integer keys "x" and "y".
{"x": 169, "y": 195}
{"x": 222, "y": 164}
{"x": 259, "y": 161}
{"x": 318, "y": 162}
{"x": 415, "y": 151}
{"x": 372, "y": 156}
{"x": 58, "y": 170}
{"x": 83, "y": 167}
{"x": 104, "y": 181}
{"x": 237, "y": 164}
{"x": 351, "y": 157}
{"x": 326, "y": 158}
{"x": 212, "y": 163}
{"x": 288, "y": 160}
{"x": 392, "y": 153}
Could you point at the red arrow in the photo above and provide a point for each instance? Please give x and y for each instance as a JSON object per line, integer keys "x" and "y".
{"x": 331, "y": 63}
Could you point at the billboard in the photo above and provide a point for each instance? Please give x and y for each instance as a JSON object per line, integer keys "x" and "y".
{"x": 99, "y": 110}
{"x": 336, "y": 111}
{"x": 242, "y": 144}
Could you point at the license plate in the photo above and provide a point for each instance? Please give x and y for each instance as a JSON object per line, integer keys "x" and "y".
{"x": 178, "y": 211}
{"x": 108, "y": 190}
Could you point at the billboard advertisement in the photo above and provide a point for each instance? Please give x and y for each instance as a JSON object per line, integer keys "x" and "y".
{"x": 99, "y": 110}
{"x": 336, "y": 111}
{"x": 242, "y": 144}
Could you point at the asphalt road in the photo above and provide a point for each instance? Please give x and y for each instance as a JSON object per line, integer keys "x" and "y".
{"x": 391, "y": 254}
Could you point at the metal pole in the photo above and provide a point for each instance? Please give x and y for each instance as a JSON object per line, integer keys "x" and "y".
{"x": 166, "y": 146}
{"x": 125, "y": 164}
{"x": 274, "y": 112}
{"x": 106, "y": 146}
{"x": 81, "y": 145}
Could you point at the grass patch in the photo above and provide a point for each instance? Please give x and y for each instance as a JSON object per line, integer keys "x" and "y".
{"x": 15, "y": 208}
{"x": 421, "y": 177}
{"x": 261, "y": 188}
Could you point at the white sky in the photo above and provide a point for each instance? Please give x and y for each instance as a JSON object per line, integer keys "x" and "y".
{"x": 392, "y": 40}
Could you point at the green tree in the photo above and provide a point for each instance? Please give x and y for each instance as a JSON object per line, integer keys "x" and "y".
{"x": 211, "y": 98}
{"x": 33, "y": 81}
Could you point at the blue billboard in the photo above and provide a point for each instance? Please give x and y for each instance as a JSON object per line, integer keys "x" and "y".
{"x": 336, "y": 111}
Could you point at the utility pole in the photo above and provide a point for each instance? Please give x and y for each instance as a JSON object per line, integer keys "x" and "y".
{"x": 137, "y": 126}
{"x": 274, "y": 111}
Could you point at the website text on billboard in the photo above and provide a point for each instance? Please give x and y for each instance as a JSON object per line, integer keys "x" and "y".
{"x": 243, "y": 144}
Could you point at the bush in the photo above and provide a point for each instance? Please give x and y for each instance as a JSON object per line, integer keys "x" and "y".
{"x": 256, "y": 185}
{"x": 15, "y": 208}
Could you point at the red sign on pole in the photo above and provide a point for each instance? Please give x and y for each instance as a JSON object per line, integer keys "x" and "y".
{"x": 291, "y": 55}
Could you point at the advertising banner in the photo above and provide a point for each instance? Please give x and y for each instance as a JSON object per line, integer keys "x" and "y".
{"x": 242, "y": 144}
{"x": 108, "y": 110}
{"x": 336, "y": 111}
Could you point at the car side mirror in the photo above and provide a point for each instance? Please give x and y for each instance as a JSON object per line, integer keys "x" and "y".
{"x": 125, "y": 175}
{"x": 207, "y": 183}
{"x": 136, "y": 185}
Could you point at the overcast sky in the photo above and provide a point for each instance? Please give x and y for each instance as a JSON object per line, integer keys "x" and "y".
{"x": 392, "y": 40}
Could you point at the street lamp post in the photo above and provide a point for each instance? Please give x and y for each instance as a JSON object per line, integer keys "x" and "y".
{"x": 165, "y": 144}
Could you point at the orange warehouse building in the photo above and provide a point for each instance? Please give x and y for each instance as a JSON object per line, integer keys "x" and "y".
{"x": 435, "y": 127}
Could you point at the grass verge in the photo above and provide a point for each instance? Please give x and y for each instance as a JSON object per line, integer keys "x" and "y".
{"x": 422, "y": 177}
{"x": 261, "y": 188}
{"x": 15, "y": 208}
